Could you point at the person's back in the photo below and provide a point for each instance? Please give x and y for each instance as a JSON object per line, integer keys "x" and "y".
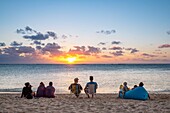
{"x": 50, "y": 91}
{"x": 75, "y": 87}
{"x": 26, "y": 91}
{"x": 90, "y": 87}
{"x": 41, "y": 90}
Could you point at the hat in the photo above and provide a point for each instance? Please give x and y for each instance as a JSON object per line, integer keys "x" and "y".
{"x": 76, "y": 79}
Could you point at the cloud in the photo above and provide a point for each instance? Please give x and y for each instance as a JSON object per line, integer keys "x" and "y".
{"x": 30, "y": 30}
{"x": 115, "y": 48}
{"x": 52, "y": 34}
{"x": 164, "y": 46}
{"x": 104, "y": 48}
{"x": 117, "y": 53}
{"x": 148, "y": 55}
{"x": 18, "y": 50}
{"x": 14, "y": 43}
{"x": 2, "y": 44}
{"x": 11, "y": 51}
{"x": 168, "y": 32}
{"x": 132, "y": 50}
{"x": 106, "y": 56}
{"x": 38, "y": 47}
{"x": 27, "y": 30}
{"x": 52, "y": 48}
{"x": 78, "y": 50}
{"x": 64, "y": 36}
{"x": 92, "y": 49}
{"x": 116, "y": 42}
{"x": 38, "y": 36}
{"x": 21, "y": 31}
{"x": 81, "y": 48}
{"x": 102, "y": 43}
{"x": 37, "y": 42}
{"x": 106, "y": 32}
{"x": 25, "y": 49}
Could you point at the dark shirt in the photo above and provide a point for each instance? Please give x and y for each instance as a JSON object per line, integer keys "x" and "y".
{"x": 50, "y": 90}
{"x": 26, "y": 91}
{"x": 40, "y": 91}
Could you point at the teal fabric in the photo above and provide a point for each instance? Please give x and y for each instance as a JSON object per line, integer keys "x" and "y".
{"x": 138, "y": 93}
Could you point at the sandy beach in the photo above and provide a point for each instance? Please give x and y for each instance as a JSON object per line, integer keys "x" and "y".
{"x": 68, "y": 103}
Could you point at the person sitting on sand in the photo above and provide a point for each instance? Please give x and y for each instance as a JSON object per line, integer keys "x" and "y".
{"x": 120, "y": 90}
{"x": 27, "y": 92}
{"x": 141, "y": 85}
{"x": 75, "y": 87}
{"x": 49, "y": 92}
{"x": 41, "y": 90}
{"x": 135, "y": 86}
{"x": 125, "y": 88}
{"x": 90, "y": 87}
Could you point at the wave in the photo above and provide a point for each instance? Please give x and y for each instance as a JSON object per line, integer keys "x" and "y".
{"x": 11, "y": 90}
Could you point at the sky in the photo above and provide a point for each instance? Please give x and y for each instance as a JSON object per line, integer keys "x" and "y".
{"x": 84, "y": 31}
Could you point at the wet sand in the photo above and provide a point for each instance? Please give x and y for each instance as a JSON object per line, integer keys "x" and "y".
{"x": 68, "y": 103}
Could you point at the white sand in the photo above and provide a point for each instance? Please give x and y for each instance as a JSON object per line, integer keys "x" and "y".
{"x": 67, "y": 103}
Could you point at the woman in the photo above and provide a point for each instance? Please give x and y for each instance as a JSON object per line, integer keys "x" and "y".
{"x": 41, "y": 90}
{"x": 27, "y": 92}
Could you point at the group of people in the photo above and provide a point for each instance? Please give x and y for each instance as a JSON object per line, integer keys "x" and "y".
{"x": 75, "y": 88}
{"x": 90, "y": 88}
{"x": 42, "y": 91}
{"x": 124, "y": 88}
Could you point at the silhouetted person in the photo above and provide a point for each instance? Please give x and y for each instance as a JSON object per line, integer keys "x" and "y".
{"x": 90, "y": 87}
{"x": 135, "y": 86}
{"x": 26, "y": 91}
{"x": 41, "y": 90}
{"x": 125, "y": 88}
{"x": 50, "y": 90}
{"x": 75, "y": 87}
{"x": 141, "y": 85}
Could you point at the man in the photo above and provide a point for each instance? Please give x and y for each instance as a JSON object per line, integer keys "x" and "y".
{"x": 90, "y": 87}
{"x": 50, "y": 90}
{"x": 75, "y": 87}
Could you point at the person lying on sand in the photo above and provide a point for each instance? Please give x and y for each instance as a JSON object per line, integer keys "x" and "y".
{"x": 75, "y": 87}
{"x": 90, "y": 87}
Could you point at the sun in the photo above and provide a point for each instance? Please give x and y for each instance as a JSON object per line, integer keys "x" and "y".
{"x": 71, "y": 59}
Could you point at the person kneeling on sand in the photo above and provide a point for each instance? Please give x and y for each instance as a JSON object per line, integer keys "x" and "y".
{"x": 41, "y": 90}
{"x": 27, "y": 91}
{"x": 75, "y": 87}
{"x": 49, "y": 92}
{"x": 90, "y": 87}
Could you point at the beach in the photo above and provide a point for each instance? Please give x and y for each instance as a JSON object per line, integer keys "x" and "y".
{"x": 68, "y": 103}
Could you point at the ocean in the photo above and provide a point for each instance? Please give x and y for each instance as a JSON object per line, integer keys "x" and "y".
{"x": 156, "y": 77}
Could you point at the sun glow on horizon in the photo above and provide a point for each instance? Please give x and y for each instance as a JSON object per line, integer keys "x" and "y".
{"x": 71, "y": 60}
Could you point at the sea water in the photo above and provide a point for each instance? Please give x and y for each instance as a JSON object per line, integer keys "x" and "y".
{"x": 156, "y": 77}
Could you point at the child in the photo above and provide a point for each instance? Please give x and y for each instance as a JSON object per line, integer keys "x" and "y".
{"x": 120, "y": 90}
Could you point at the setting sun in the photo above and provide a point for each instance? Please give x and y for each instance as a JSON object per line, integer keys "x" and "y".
{"x": 71, "y": 59}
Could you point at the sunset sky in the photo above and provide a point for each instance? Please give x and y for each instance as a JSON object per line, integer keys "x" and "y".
{"x": 84, "y": 31}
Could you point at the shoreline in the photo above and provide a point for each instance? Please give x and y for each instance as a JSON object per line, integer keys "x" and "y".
{"x": 68, "y": 103}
